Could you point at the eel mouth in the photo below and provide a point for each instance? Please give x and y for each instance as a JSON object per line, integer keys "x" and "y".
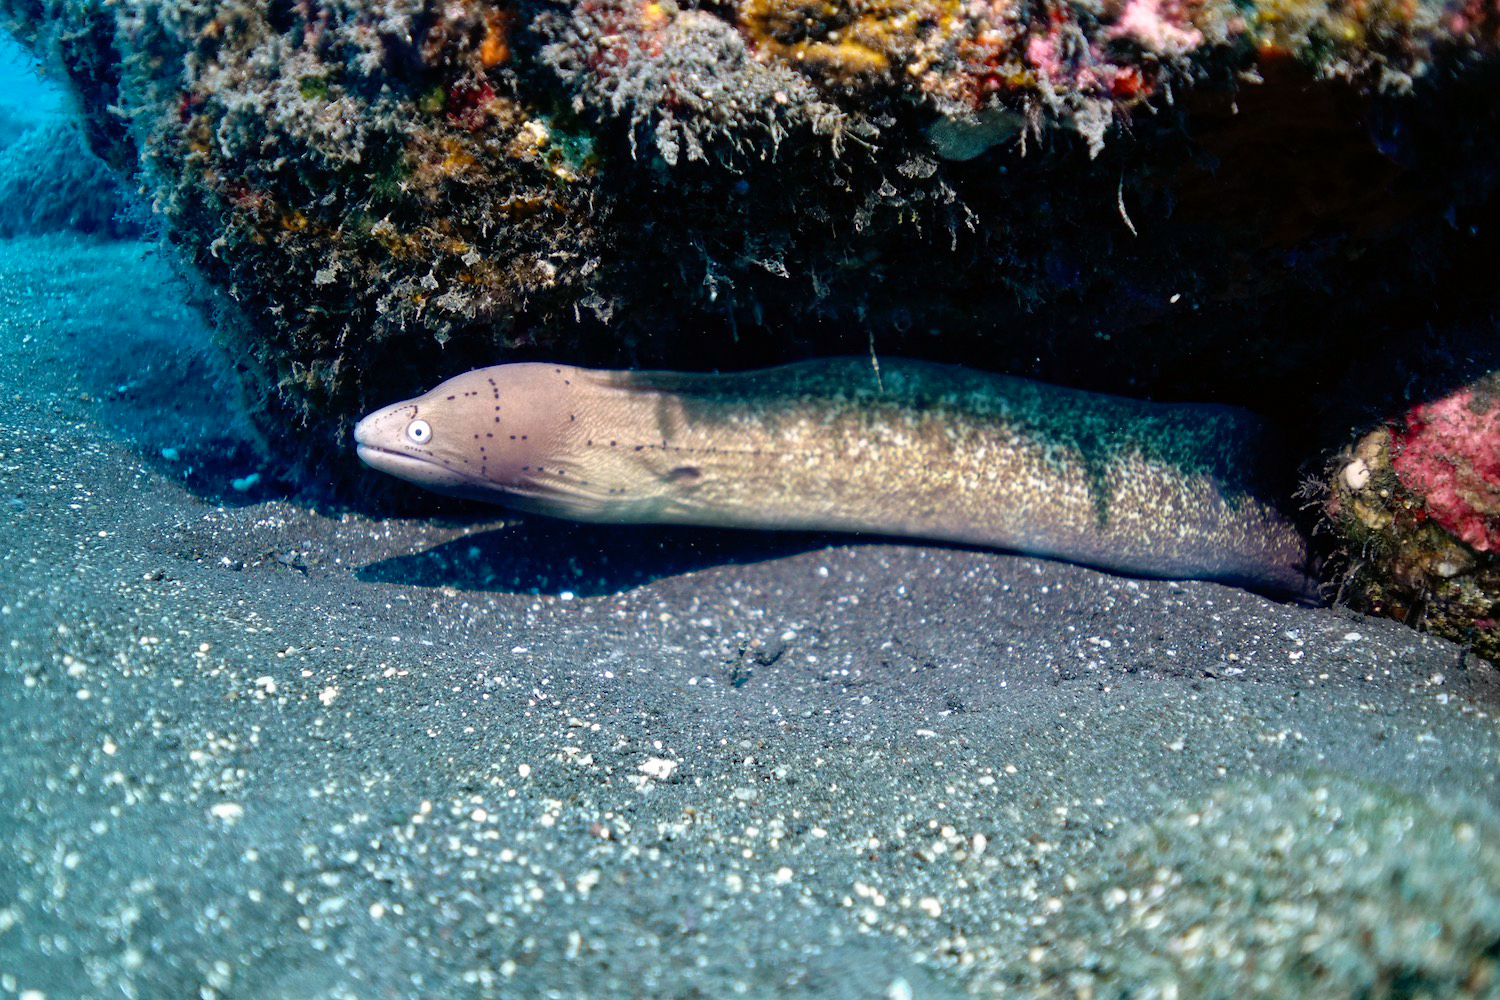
{"x": 394, "y": 462}
{"x": 424, "y": 472}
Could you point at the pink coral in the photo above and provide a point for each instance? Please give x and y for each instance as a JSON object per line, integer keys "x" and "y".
{"x": 1448, "y": 455}
{"x": 1059, "y": 58}
{"x": 1042, "y": 52}
{"x": 1154, "y": 26}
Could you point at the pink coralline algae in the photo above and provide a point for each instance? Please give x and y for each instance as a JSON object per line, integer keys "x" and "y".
{"x": 1448, "y": 455}
{"x": 1416, "y": 503}
{"x": 1156, "y": 28}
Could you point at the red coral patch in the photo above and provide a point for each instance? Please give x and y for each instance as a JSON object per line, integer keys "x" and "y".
{"x": 1448, "y": 455}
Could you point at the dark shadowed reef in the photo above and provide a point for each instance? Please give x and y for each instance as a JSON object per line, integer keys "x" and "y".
{"x": 1287, "y": 205}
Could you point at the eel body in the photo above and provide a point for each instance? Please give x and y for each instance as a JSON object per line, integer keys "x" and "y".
{"x": 921, "y": 450}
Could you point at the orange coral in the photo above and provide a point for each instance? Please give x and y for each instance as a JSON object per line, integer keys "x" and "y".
{"x": 494, "y": 48}
{"x": 852, "y": 41}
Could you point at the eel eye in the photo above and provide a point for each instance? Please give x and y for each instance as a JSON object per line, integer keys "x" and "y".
{"x": 418, "y": 432}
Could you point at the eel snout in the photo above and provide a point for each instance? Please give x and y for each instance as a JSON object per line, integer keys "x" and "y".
{"x": 486, "y": 434}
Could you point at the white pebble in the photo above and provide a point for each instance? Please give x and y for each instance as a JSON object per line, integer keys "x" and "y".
{"x": 1357, "y": 474}
{"x": 659, "y": 768}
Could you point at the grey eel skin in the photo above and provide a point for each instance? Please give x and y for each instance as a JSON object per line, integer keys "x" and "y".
{"x": 919, "y": 449}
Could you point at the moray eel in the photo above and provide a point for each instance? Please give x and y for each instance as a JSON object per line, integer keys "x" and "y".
{"x": 915, "y": 449}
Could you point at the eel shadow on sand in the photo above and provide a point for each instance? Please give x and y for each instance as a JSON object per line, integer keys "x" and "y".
{"x": 538, "y": 555}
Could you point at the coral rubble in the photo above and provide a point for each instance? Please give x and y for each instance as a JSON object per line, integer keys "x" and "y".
{"x": 1306, "y": 884}
{"x": 1419, "y": 499}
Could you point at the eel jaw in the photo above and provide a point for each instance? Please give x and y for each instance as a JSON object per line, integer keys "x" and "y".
{"x": 395, "y": 463}
{"x": 428, "y": 474}
{"x": 412, "y": 468}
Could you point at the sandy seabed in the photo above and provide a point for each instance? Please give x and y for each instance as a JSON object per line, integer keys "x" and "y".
{"x": 249, "y": 748}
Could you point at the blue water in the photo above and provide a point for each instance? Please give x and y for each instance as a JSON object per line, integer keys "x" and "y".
{"x": 27, "y": 97}
{"x": 50, "y": 181}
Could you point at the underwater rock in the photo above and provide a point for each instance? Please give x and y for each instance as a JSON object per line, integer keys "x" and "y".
{"x": 50, "y": 182}
{"x": 1448, "y": 455}
{"x": 1417, "y": 502}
